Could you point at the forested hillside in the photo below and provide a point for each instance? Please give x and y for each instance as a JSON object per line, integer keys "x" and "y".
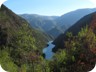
{"x": 21, "y": 46}
{"x": 18, "y": 41}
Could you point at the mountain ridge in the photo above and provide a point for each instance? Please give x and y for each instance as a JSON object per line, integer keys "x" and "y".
{"x": 62, "y": 22}
{"x": 74, "y": 29}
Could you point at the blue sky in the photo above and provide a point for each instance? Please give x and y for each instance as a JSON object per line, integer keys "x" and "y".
{"x": 47, "y": 7}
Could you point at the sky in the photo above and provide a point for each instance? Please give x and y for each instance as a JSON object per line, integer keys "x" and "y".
{"x": 48, "y": 7}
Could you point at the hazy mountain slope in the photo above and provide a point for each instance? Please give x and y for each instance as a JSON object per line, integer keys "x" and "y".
{"x": 55, "y": 32}
{"x": 68, "y": 19}
{"x": 43, "y": 23}
{"x": 49, "y": 23}
{"x": 86, "y": 20}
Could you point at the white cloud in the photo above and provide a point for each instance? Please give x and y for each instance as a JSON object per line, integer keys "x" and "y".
{"x": 2, "y": 1}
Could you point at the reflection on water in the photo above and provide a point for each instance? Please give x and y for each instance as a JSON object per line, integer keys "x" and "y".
{"x": 48, "y": 50}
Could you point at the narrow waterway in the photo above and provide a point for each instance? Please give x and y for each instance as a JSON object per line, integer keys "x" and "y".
{"x": 48, "y": 50}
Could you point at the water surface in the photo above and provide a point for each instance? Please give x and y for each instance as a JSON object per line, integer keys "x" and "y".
{"x": 48, "y": 50}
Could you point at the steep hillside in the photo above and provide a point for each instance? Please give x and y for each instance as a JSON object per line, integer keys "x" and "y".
{"x": 18, "y": 41}
{"x": 76, "y": 48}
{"x": 57, "y": 23}
{"x": 74, "y": 29}
{"x": 11, "y": 23}
{"x": 43, "y": 23}
{"x": 55, "y": 32}
{"x": 21, "y": 46}
{"x": 68, "y": 19}
{"x": 78, "y": 53}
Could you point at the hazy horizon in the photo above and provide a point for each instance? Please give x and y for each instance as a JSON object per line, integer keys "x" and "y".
{"x": 48, "y": 7}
